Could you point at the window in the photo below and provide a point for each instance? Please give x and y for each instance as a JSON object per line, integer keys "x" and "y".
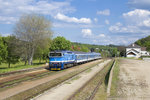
{"x": 55, "y": 54}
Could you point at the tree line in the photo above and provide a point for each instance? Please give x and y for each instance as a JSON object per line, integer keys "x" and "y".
{"x": 14, "y": 50}
{"x": 144, "y": 42}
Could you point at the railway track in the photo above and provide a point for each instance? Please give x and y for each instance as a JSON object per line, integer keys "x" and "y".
{"x": 50, "y": 84}
{"x": 23, "y": 70}
{"x": 14, "y": 80}
{"x": 9, "y": 81}
{"x": 99, "y": 83}
{"x": 16, "y": 77}
{"x": 94, "y": 82}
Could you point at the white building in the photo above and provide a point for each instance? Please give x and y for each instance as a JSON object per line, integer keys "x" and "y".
{"x": 136, "y": 51}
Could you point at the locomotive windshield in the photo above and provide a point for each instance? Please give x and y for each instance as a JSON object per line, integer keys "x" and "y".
{"x": 55, "y": 54}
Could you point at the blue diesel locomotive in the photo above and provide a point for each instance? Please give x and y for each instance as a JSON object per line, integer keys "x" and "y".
{"x": 59, "y": 60}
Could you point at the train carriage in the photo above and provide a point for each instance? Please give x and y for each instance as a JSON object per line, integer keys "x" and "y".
{"x": 59, "y": 60}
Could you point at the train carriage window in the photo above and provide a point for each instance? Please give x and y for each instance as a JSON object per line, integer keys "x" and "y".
{"x": 55, "y": 54}
{"x": 79, "y": 57}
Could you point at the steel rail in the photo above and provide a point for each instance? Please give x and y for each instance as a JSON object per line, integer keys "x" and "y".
{"x": 95, "y": 89}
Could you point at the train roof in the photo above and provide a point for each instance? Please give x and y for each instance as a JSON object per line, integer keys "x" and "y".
{"x": 79, "y": 52}
{"x": 75, "y": 52}
{"x": 64, "y": 51}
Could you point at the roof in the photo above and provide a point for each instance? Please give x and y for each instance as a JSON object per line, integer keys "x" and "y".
{"x": 132, "y": 50}
{"x": 143, "y": 48}
{"x": 67, "y": 51}
{"x": 61, "y": 51}
{"x": 79, "y": 52}
{"x": 133, "y": 46}
{"x": 75, "y": 52}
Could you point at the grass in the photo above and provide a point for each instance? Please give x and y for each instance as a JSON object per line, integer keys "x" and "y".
{"x": 145, "y": 56}
{"x": 89, "y": 70}
{"x": 115, "y": 79}
{"x": 74, "y": 78}
{"x": 131, "y": 58}
{"x": 18, "y": 66}
{"x": 101, "y": 93}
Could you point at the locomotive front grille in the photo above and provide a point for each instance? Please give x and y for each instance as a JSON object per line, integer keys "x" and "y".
{"x": 55, "y": 64}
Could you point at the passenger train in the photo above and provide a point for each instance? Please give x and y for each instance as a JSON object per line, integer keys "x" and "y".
{"x": 59, "y": 60}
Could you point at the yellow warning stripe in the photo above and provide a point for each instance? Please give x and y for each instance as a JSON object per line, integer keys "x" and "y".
{"x": 55, "y": 69}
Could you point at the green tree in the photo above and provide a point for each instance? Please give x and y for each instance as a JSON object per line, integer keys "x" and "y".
{"x": 12, "y": 57}
{"x": 144, "y": 42}
{"x": 105, "y": 54}
{"x": 113, "y": 52}
{"x": 33, "y": 30}
{"x": 75, "y": 48}
{"x": 43, "y": 51}
{"x": 60, "y": 43}
{"x": 84, "y": 49}
{"x": 3, "y": 50}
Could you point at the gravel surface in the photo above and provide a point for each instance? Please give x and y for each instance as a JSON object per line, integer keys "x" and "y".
{"x": 20, "y": 75}
{"x": 134, "y": 80}
{"x": 67, "y": 88}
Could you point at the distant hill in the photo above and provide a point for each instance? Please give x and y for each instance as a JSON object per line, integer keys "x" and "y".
{"x": 101, "y": 47}
{"x": 144, "y": 42}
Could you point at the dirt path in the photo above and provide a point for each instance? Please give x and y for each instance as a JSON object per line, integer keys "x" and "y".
{"x": 67, "y": 88}
{"x": 30, "y": 84}
{"x": 134, "y": 80}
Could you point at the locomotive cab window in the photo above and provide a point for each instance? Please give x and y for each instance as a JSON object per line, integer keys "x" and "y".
{"x": 55, "y": 54}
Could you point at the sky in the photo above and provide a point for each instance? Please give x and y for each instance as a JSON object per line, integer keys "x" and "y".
{"x": 101, "y": 22}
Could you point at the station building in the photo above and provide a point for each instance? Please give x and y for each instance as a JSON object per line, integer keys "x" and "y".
{"x": 136, "y": 51}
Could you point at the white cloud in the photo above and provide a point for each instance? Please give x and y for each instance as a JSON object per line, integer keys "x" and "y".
{"x": 137, "y": 12}
{"x": 107, "y": 39}
{"x": 43, "y": 7}
{"x": 116, "y": 28}
{"x": 74, "y": 25}
{"x": 103, "y": 39}
{"x": 122, "y": 40}
{"x": 4, "y": 34}
{"x": 140, "y": 4}
{"x": 14, "y": 8}
{"x": 95, "y": 20}
{"x": 7, "y": 20}
{"x": 119, "y": 28}
{"x": 87, "y": 33}
{"x": 105, "y": 12}
{"x": 138, "y": 17}
{"x": 136, "y": 21}
{"x": 65, "y": 18}
{"x": 107, "y": 22}
{"x": 146, "y": 23}
{"x": 101, "y": 35}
